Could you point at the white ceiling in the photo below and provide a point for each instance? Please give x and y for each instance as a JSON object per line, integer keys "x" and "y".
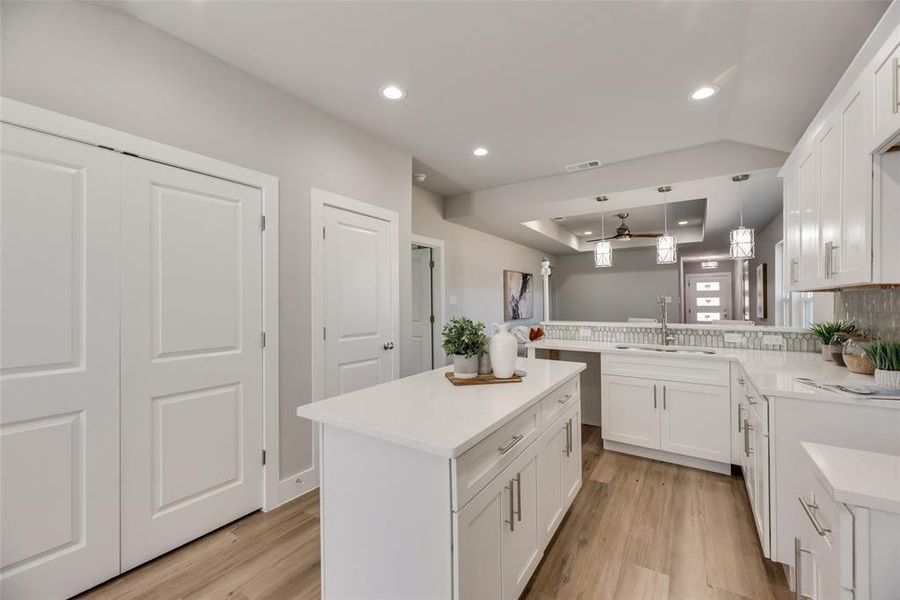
{"x": 541, "y": 84}
{"x": 643, "y": 219}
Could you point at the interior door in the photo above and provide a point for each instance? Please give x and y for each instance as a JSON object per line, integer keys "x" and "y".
{"x": 359, "y": 349}
{"x": 421, "y": 349}
{"x": 59, "y": 366}
{"x": 192, "y": 356}
{"x": 630, "y": 408}
{"x": 709, "y": 297}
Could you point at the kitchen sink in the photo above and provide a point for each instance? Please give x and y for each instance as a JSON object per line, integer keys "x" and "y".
{"x": 670, "y": 349}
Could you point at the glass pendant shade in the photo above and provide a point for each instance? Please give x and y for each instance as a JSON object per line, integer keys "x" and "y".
{"x": 742, "y": 243}
{"x": 603, "y": 254}
{"x": 666, "y": 249}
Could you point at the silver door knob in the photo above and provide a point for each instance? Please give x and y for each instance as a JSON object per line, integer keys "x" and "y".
{"x": 389, "y": 345}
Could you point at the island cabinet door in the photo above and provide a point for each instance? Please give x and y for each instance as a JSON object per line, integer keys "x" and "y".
{"x": 551, "y": 447}
{"x": 521, "y": 538}
{"x": 630, "y": 407}
{"x": 571, "y": 455}
{"x": 695, "y": 420}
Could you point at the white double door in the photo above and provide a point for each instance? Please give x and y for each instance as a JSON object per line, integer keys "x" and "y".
{"x": 130, "y": 292}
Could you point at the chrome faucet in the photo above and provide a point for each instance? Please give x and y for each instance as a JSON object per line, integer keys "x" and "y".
{"x": 667, "y": 337}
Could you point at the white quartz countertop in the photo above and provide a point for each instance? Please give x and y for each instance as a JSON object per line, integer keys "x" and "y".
{"x": 771, "y": 372}
{"x": 429, "y": 413}
{"x": 857, "y": 477}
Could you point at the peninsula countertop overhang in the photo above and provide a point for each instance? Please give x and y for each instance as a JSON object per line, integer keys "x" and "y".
{"x": 427, "y": 412}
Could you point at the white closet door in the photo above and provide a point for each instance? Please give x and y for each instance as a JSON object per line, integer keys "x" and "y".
{"x": 421, "y": 350}
{"x": 357, "y": 298}
{"x": 192, "y": 357}
{"x": 59, "y": 366}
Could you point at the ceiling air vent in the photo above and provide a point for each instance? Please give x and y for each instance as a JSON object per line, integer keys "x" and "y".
{"x": 583, "y": 166}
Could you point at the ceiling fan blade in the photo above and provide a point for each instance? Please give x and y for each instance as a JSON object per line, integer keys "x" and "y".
{"x": 609, "y": 238}
{"x": 646, "y": 235}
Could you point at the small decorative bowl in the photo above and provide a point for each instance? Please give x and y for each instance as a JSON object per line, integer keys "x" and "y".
{"x": 856, "y": 359}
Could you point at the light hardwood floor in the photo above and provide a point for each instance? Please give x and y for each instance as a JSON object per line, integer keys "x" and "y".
{"x": 638, "y": 529}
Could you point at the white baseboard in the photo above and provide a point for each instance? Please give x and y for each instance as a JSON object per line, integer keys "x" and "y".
{"x": 678, "y": 459}
{"x": 297, "y": 484}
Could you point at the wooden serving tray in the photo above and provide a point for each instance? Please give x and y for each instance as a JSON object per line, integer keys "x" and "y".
{"x": 480, "y": 379}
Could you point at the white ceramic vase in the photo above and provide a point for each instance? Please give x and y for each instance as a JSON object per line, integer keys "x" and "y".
{"x": 887, "y": 379}
{"x": 503, "y": 349}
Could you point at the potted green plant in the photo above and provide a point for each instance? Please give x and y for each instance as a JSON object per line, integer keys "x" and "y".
{"x": 832, "y": 335}
{"x": 886, "y": 356}
{"x": 465, "y": 341}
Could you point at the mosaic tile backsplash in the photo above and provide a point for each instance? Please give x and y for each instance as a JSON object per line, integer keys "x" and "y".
{"x": 685, "y": 335}
{"x": 876, "y": 310}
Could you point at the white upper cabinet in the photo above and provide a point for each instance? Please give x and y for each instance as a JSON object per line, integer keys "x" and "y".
{"x": 833, "y": 233}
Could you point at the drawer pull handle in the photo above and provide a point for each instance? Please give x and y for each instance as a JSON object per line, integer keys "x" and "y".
{"x": 519, "y": 496}
{"x": 565, "y": 399}
{"x": 740, "y": 381}
{"x": 809, "y": 509}
{"x": 512, "y": 506}
{"x": 512, "y": 442}
{"x": 740, "y": 417}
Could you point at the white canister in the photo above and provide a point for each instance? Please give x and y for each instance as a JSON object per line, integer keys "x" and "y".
{"x": 503, "y": 349}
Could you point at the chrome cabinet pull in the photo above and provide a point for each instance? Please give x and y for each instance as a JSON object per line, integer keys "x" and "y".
{"x": 896, "y": 82}
{"x": 664, "y": 397}
{"x": 568, "y": 428}
{"x": 810, "y": 509}
{"x": 740, "y": 416}
{"x": 565, "y": 399}
{"x": 512, "y": 506}
{"x": 794, "y": 264}
{"x": 654, "y": 396}
{"x": 519, "y": 496}
{"x": 798, "y": 577}
{"x": 740, "y": 381}
{"x": 746, "y": 438}
{"x": 516, "y": 439}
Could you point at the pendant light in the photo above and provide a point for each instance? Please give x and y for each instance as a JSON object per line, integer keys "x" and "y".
{"x": 666, "y": 246}
{"x": 603, "y": 249}
{"x": 742, "y": 245}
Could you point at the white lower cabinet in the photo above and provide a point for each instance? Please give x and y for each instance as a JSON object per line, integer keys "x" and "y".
{"x": 502, "y": 531}
{"x": 675, "y": 417}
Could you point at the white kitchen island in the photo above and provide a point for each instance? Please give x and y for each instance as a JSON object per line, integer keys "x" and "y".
{"x": 434, "y": 491}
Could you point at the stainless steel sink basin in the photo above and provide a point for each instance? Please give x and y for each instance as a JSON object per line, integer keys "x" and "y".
{"x": 669, "y": 349}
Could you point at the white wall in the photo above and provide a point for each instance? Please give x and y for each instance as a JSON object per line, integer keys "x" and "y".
{"x": 104, "y": 67}
{"x": 474, "y": 262}
{"x": 627, "y": 289}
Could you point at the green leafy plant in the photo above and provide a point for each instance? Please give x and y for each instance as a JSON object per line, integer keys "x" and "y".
{"x": 464, "y": 337}
{"x": 884, "y": 353}
{"x": 833, "y": 332}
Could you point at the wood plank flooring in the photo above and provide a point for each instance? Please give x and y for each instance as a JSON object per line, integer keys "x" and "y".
{"x": 638, "y": 529}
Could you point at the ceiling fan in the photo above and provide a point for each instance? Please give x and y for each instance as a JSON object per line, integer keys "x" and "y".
{"x": 623, "y": 232}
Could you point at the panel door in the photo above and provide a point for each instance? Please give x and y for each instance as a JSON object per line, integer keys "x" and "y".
{"x": 630, "y": 407}
{"x": 759, "y": 451}
{"x": 359, "y": 350}
{"x": 695, "y": 420}
{"x": 852, "y": 261}
{"x": 809, "y": 266}
{"x": 421, "y": 348}
{"x": 192, "y": 356}
{"x": 478, "y": 551}
{"x": 552, "y": 445}
{"x": 886, "y": 114}
{"x": 59, "y": 365}
{"x": 709, "y": 297}
{"x": 830, "y": 173}
{"x": 791, "y": 231}
{"x": 571, "y": 456}
{"x": 521, "y": 535}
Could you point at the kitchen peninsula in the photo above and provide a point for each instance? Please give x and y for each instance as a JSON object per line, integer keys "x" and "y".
{"x": 434, "y": 491}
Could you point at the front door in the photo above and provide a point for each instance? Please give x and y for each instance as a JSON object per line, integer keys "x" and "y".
{"x": 709, "y": 297}
{"x": 359, "y": 348}
{"x": 59, "y": 365}
{"x": 192, "y": 357}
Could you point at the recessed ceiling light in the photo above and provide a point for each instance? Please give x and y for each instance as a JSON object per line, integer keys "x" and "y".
{"x": 393, "y": 92}
{"x": 588, "y": 232}
{"x": 682, "y": 222}
{"x": 480, "y": 151}
{"x": 704, "y": 92}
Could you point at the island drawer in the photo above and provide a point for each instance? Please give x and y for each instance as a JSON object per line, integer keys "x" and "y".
{"x": 481, "y": 463}
{"x": 556, "y": 402}
{"x": 669, "y": 368}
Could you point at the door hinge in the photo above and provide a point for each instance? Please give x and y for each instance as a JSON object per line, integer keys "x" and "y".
{"x": 262, "y": 339}
{"x": 264, "y": 456}
{"x": 431, "y": 319}
{"x": 431, "y": 264}
{"x": 262, "y": 223}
